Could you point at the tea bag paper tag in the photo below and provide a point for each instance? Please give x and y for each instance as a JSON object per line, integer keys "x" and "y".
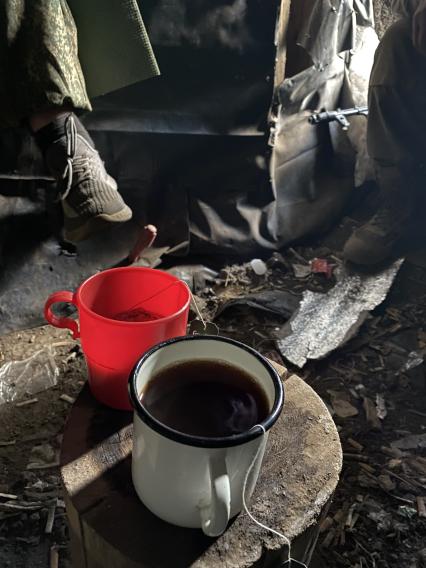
{"x": 293, "y": 564}
{"x": 197, "y": 327}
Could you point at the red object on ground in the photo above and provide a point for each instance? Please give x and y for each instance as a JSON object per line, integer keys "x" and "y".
{"x": 113, "y": 346}
{"x": 145, "y": 240}
{"x": 322, "y": 266}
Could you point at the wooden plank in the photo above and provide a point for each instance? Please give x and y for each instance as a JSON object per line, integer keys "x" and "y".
{"x": 281, "y": 41}
{"x": 78, "y": 554}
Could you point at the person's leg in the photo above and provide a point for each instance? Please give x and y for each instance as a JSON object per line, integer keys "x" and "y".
{"x": 39, "y": 60}
{"x": 39, "y": 56}
{"x": 396, "y": 143}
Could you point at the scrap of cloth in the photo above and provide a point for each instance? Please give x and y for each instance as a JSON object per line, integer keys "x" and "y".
{"x": 63, "y": 54}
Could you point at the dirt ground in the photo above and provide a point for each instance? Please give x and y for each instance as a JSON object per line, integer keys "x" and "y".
{"x": 374, "y": 387}
{"x": 30, "y": 435}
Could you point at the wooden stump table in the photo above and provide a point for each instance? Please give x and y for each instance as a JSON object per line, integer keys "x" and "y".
{"x": 111, "y": 528}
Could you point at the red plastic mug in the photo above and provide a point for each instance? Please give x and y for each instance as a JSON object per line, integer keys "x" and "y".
{"x": 112, "y": 346}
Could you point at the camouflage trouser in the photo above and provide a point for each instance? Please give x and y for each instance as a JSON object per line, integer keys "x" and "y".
{"x": 39, "y": 65}
{"x": 397, "y": 113}
{"x": 39, "y": 54}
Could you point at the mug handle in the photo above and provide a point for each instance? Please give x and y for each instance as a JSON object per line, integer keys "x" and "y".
{"x": 215, "y": 516}
{"x": 63, "y": 296}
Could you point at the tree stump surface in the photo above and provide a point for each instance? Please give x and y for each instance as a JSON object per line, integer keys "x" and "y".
{"x": 111, "y": 528}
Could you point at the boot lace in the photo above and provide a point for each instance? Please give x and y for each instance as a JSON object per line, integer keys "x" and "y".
{"x": 88, "y": 167}
{"x": 71, "y": 136}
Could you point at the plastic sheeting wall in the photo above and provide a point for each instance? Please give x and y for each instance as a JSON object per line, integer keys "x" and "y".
{"x": 314, "y": 168}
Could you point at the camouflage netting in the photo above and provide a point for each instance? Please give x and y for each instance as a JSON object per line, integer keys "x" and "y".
{"x": 383, "y": 15}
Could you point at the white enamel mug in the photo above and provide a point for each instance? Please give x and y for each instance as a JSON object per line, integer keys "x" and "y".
{"x": 194, "y": 481}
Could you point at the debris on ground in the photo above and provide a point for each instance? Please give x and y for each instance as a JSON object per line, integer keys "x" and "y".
{"x": 32, "y": 513}
{"x": 374, "y": 385}
{"x": 325, "y": 322}
{"x": 29, "y": 376}
{"x": 342, "y": 407}
{"x": 196, "y": 276}
{"x": 258, "y": 267}
{"x": 278, "y": 302}
{"x": 412, "y": 442}
{"x": 144, "y": 241}
{"x": 322, "y": 266}
{"x": 301, "y": 270}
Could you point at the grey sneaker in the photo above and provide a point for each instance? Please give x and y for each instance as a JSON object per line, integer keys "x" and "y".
{"x": 376, "y": 241}
{"x": 90, "y": 199}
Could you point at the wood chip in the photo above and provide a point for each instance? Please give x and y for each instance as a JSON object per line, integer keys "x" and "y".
{"x": 403, "y": 479}
{"x": 350, "y": 514}
{"x": 4, "y": 444}
{"x": 8, "y": 496}
{"x": 339, "y": 515}
{"x": 54, "y": 557}
{"x": 392, "y": 452}
{"x": 67, "y": 398}
{"x": 62, "y": 343}
{"x": 26, "y": 402}
{"x": 328, "y": 538}
{"x": 343, "y": 408}
{"x": 367, "y": 467}
{"x": 354, "y": 457}
{"x": 354, "y": 520}
{"x": 31, "y": 466}
{"x": 326, "y": 524}
{"x": 411, "y": 442}
{"x": 371, "y": 414}
{"x": 356, "y": 445}
{"x": 394, "y": 463}
{"x": 421, "y": 507}
{"x": 298, "y": 256}
{"x": 381, "y": 409}
{"x": 417, "y": 465}
{"x": 17, "y": 507}
{"x": 386, "y": 483}
{"x": 50, "y": 519}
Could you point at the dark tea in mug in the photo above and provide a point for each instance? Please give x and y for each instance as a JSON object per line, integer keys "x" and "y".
{"x": 208, "y": 398}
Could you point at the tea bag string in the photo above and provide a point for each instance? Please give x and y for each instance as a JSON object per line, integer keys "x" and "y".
{"x": 258, "y": 523}
{"x": 193, "y": 302}
{"x": 197, "y": 309}
{"x": 139, "y": 302}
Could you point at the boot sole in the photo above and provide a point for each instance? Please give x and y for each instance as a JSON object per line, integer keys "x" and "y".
{"x": 96, "y": 224}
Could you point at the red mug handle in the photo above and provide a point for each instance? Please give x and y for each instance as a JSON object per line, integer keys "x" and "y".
{"x": 63, "y": 296}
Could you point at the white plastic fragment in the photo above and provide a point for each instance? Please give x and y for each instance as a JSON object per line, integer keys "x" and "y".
{"x": 258, "y": 266}
{"x": 29, "y": 376}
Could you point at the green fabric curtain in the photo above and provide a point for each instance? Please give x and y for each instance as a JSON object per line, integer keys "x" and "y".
{"x": 113, "y": 45}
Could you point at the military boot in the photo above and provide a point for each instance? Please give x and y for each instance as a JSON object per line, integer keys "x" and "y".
{"x": 89, "y": 196}
{"x": 377, "y": 240}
